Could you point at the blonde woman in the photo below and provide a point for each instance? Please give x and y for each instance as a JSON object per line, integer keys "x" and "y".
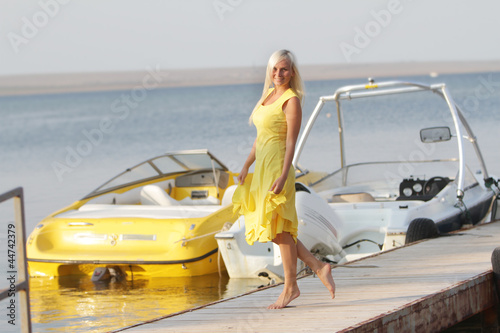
{"x": 267, "y": 199}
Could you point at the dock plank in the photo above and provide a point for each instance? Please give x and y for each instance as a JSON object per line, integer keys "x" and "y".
{"x": 408, "y": 288}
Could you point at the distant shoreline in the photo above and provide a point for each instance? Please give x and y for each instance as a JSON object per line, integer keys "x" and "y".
{"x": 158, "y": 78}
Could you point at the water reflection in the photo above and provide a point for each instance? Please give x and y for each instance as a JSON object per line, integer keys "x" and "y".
{"x": 77, "y": 304}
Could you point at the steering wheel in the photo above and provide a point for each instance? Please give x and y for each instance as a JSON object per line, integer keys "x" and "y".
{"x": 431, "y": 181}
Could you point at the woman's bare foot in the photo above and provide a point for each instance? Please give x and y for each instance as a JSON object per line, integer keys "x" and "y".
{"x": 287, "y": 295}
{"x": 325, "y": 275}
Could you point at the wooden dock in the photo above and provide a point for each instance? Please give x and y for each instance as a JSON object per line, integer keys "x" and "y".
{"x": 424, "y": 287}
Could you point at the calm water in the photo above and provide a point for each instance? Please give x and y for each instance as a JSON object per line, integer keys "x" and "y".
{"x": 60, "y": 147}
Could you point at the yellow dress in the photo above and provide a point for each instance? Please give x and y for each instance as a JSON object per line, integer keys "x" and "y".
{"x": 268, "y": 214}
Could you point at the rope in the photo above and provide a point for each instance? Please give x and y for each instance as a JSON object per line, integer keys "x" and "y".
{"x": 489, "y": 182}
{"x": 465, "y": 211}
{"x": 225, "y": 227}
{"x": 363, "y": 240}
{"x": 218, "y": 264}
{"x": 197, "y": 237}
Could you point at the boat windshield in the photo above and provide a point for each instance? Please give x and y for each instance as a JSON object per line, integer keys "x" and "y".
{"x": 161, "y": 166}
{"x": 382, "y": 179}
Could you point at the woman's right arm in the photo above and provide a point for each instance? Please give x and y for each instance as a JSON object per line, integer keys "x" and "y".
{"x": 250, "y": 159}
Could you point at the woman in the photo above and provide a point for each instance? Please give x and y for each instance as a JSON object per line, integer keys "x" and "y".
{"x": 267, "y": 199}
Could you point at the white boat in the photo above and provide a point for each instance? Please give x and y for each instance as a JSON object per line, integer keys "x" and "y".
{"x": 318, "y": 227}
{"x": 402, "y": 180}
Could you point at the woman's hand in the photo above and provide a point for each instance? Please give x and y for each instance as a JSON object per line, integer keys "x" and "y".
{"x": 242, "y": 175}
{"x": 278, "y": 185}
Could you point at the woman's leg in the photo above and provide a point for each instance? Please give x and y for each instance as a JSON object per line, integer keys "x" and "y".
{"x": 322, "y": 269}
{"x": 288, "y": 251}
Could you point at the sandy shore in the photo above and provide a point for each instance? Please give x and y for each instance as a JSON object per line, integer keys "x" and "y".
{"x": 156, "y": 77}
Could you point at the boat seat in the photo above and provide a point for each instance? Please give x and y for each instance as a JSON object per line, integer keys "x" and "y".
{"x": 227, "y": 198}
{"x": 155, "y": 195}
{"x": 353, "y": 197}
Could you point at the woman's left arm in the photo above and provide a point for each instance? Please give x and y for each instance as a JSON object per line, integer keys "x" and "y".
{"x": 293, "y": 112}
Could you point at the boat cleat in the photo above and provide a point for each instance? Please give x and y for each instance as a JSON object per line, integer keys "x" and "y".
{"x": 394, "y": 239}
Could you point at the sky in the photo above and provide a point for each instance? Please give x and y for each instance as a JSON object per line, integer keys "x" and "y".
{"x": 65, "y": 36}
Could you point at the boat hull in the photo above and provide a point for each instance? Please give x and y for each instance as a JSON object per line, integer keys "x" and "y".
{"x": 175, "y": 247}
{"x": 129, "y": 270}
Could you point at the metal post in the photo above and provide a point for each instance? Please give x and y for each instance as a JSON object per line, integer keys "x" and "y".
{"x": 461, "y": 165}
{"x": 16, "y": 251}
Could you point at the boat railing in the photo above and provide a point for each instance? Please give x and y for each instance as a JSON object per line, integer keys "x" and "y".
{"x": 17, "y": 275}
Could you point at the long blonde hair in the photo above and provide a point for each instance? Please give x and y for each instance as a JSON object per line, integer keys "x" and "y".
{"x": 296, "y": 83}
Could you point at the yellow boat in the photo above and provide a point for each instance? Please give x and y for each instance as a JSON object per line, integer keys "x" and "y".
{"x": 156, "y": 219}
